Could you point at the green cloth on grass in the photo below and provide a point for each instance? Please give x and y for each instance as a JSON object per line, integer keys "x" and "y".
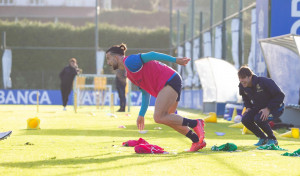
{"x": 269, "y": 147}
{"x": 224, "y": 147}
{"x": 295, "y": 153}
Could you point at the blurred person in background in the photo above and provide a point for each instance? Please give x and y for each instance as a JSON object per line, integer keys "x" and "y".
{"x": 67, "y": 76}
{"x": 121, "y": 85}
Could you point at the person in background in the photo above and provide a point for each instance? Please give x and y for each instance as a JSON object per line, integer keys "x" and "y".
{"x": 161, "y": 81}
{"x": 67, "y": 76}
{"x": 263, "y": 100}
{"x": 121, "y": 85}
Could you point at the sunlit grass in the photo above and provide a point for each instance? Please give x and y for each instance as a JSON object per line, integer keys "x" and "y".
{"x": 90, "y": 143}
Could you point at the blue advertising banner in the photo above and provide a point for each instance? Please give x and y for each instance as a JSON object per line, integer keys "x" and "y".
{"x": 53, "y": 97}
{"x": 192, "y": 99}
{"x": 262, "y": 26}
{"x": 285, "y": 17}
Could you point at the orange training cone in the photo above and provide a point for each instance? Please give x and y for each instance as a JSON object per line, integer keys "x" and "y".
{"x": 287, "y": 134}
{"x": 233, "y": 114}
{"x": 237, "y": 125}
{"x": 211, "y": 118}
{"x": 244, "y": 109}
{"x": 33, "y": 123}
{"x": 295, "y": 132}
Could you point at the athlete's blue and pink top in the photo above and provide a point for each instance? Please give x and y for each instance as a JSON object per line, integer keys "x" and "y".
{"x": 150, "y": 75}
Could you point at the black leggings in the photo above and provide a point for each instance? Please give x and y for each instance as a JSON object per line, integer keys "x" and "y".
{"x": 65, "y": 91}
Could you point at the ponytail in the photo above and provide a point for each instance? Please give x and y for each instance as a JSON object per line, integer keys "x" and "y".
{"x": 118, "y": 49}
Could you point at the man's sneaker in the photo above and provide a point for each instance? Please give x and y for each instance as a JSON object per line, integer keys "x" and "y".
{"x": 272, "y": 141}
{"x": 4, "y": 135}
{"x": 199, "y": 130}
{"x": 64, "y": 109}
{"x": 197, "y": 146}
{"x": 261, "y": 142}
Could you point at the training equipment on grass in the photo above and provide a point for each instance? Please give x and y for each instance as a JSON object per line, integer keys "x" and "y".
{"x": 225, "y": 147}
{"x": 143, "y": 131}
{"x": 294, "y": 133}
{"x": 244, "y": 110}
{"x": 211, "y": 118}
{"x": 112, "y": 109}
{"x": 237, "y": 125}
{"x": 5, "y": 135}
{"x": 92, "y": 89}
{"x": 246, "y": 131}
{"x": 295, "y": 153}
{"x": 233, "y": 114}
{"x": 269, "y": 147}
{"x": 149, "y": 148}
{"x": 132, "y": 143}
{"x": 33, "y": 123}
{"x": 231, "y": 110}
{"x": 237, "y": 119}
{"x": 220, "y": 133}
{"x": 157, "y": 128}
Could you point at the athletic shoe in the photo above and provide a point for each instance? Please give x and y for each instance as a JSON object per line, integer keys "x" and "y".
{"x": 272, "y": 141}
{"x": 261, "y": 142}
{"x": 199, "y": 130}
{"x": 197, "y": 146}
{"x": 121, "y": 110}
{"x": 4, "y": 135}
{"x": 65, "y": 109}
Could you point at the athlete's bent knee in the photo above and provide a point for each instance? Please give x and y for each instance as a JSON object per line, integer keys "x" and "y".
{"x": 158, "y": 118}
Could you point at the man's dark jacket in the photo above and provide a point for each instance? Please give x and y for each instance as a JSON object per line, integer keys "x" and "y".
{"x": 263, "y": 93}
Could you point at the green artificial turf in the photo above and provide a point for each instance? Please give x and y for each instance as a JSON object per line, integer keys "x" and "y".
{"x": 90, "y": 143}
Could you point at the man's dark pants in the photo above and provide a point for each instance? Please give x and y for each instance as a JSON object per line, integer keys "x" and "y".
{"x": 254, "y": 123}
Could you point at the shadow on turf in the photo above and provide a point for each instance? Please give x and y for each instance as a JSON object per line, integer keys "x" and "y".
{"x": 129, "y": 131}
{"x": 96, "y": 159}
{"x": 165, "y": 132}
{"x": 85, "y": 160}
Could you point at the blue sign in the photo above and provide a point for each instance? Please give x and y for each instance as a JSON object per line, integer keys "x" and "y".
{"x": 285, "y": 17}
{"x": 189, "y": 98}
{"x": 53, "y": 97}
{"x": 46, "y": 97}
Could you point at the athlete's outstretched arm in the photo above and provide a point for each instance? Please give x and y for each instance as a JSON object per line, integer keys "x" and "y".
{"x": 145, "y": 103}
{"x": 146, "y": 57}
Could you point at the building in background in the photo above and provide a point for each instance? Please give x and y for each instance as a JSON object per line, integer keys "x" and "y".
{"x": 76, "y": 12}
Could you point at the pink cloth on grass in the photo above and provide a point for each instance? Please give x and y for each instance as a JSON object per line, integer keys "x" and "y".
{"x": 132, "y": 143}
{"x": 149, "y": 148}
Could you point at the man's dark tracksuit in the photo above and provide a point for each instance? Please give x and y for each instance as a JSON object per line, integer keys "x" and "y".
{"x": 66, "y": 77}
{"x": 263, "y": 93}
